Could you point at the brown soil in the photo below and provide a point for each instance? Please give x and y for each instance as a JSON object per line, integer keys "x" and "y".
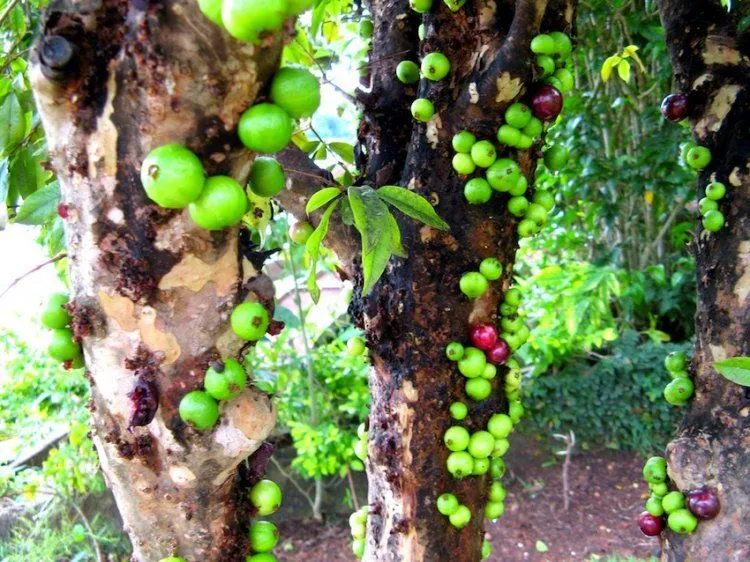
{"x": 606, "y": 495}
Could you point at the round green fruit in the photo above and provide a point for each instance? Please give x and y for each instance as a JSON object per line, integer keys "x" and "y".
{"x": 460, "y": 464}
{"x": 463, "y": 141}
{"x": 265, "y": 127}
{"x": 713, "y": 221}
{"x": 360, "y": 449}
{"x": 513, "y": 297}
{"x": 517, "y": 206}
{"x": 267, "y": 177}
{"x": 435, "y": 66}
{"x": 546, "y": 65}
{"x": 459, "y": 410}
{"x": 545, "y": 199}
{"x": 497, "y": 492}
{"x": 556, "y": 157}
{"x": 566, "y": 78}
{"x": 221, "y": 204}
{"x": 481, "y": 443}
{"x": 478, "y": 389}
{"x": 172, "y": 176}
{"x": 516, "y": 411}
{"x": 226, "y": 381}
{"x": 655, "y": 470}
{"x": 62, "y": 347}
{"x": 491, "y": 268}
{"x": 465, "y": 165}
{"x": 422, "y": 109}
{"x": 563, "y": 46}
{"x": 454, "y": 351}
{"x": 483, "y": 154}
{"x": 263, "y": 536}
{"x": 494, "y": 510}
{"x": 420, "y": 6}
{"x": 675, "y": 361}
{"x": 262, "y": 557}
{"x": 679, "y": 391}
{"x": 659, "y": 489}
{"x": 705, "y": 205}
{"x": 199, "y": 410}
{"x": 249, "y": 20}
{"x": 542, "y": 44}
{"x": 654, "y": 506}
{"x": 524, "y": 142}
{"x": 501, "y": 446}
{"x": 698, "y": 157}
{"x": 500, "y": 426}
{"x": 356, "y": 346}
{"x": 250, "y": 321}
{"x": 473, "y": 284}
{"x": 212, "y": 10}
{"x": 490, "y": 372}
{"x": 300, "y": 232}
{"x": 447, "y": 504}
{"x": 716, "y": 190}
{"x": 54, "y": 316}
{"x": 407, "y": 72}
{"x": 366, "y": 27}
{"x": 497, "y": 468}
{"x": 476, "y": 191}
{"x": 682, "y": 521}
{"x": 461, "y": 517}
{"x": 527, "y": 228}
{"x": 518, "y": 115}
{"x": 536, "y": 213}
{"x": 472, "y": 364}
{"x": 481, "y": 466}
{"x": 520, "y": 188}
{"x": 358, "y": 547}
{"x": 266, "y": 497}
{"x": 503, "y": 174}
{"x": 486, "y": 549}
{"x": 534, "y": 129}
{"x": 508, "y": 136}
{"x": 456, "y": 438}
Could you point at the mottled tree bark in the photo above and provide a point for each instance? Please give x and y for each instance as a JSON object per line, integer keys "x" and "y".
{"x": 417, "y": 309}
{"x": 151, "y": 292}
{"x": 712, "y": 65}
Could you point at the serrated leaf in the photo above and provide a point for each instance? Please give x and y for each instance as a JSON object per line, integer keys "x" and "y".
{"x": 609, "y": 65}
{"x": 312, "y": 247}
{"x": 322, "y": 197}
{"x": 259, "y": 215}
{"x": 412, "y": 204}
{"x": 736, "y": 369}
{"x": 398, "y": 249}
{"x": 623, "y": 70}
{"x": 41, "y": 206}
{"x": 345, "y": 150}
{"x": 12, "y": 123}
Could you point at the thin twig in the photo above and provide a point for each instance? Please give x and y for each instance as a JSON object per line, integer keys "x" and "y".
{"x": 308, "y": 175}
{"x": 8, "y": 10}
{"x": 294, "y": 482}
{"x": 33, "y": 270}
{"x": 82, "y": 516}
{"x": 352, "y": 489}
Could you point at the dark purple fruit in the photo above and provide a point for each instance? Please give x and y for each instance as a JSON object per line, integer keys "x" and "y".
{"x": 144, "y": 401}
{"x": 703, "y": 503}
{"x": 650, "y": 525}
{"x": 547, "y": 103}
{"x": 675, "y": 107}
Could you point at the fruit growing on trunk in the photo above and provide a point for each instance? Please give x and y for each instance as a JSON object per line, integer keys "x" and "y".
{"x": 422, "y": 110}
{"x": 356, "y": 346}
{"x": 447, "y": 504}
{"x": 460, "y": 464}
{"x": 491, "y": 268}
{"x": 655, "y": 470}
{"x": 221, "y": 204}
{"x": 263, "y": 536}
{"x": 461, "y": 517}
{"x": 698, "y": 157}
{"x": 250, "y": 321}
{"x": 172, "y": 176}
{"x": 420, "y": 6}
{"x": 675, "y": 107}
{"x": 678, "y": 391}
{"x": 459, "y": 410}
{"x": 543, "y": 44}
{"x": 682, "y": 522}
{"x": 265, "y": 127}
{"x": 266, "y": 496}
{"x": 224, "y": 381}
{"x": 675, "y": 361}
{"x": 198, "y": 409}
{"x": 473, "y": 284}
{"x": 713, "y": 221}
{"x": 500, "y": 426}
{"x": 472, "y": 364}
{"x": 483, "y": 336}
{"x": 296, "y": 91}
{"x": 435, "y": 66}
{"x": 556, "y": 157}
{"x": 499, "y": 353}
{"x": 54, "y": 316}
{"x": 478, "y": 388}
{"x": 518, "y": 115}
{"x": 454, "y": 351}
{"x": 483, "y": 154}
{"x": 407, "y": 72}
{"x": 650, "y": 525}
{"x": 300, "y": 232}
{"x": 267, "y": 177}
{"x": 716, "y": 190}
{"x": 703, "y": 503}
{"x": 464, "y": 165}
{"x": 494, "y": 510}
{"x": 463, "y": 141}
{"x": 456, "y": 438}
{"x": 249, "y": 20}
{"x": 673, "y": 501}
{"x": 481, "y": 444}
{"x": 62, "y": 346}
{"x": 547, "y": 102}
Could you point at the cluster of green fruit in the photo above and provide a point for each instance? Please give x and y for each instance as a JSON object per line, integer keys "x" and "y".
{"x": 360, "y": 446}
{"x": 713, "y": 218}
{"x": 252, "y": 20}
{"x": 358, "y": 526}
{"x": 435, "y": 67}
{"x": 423, "y": 6}
{"x": 681, "y": 388}
{"x": 62, "y": 346}
{"x": 682, "y": 511}
{"x": 474, "y": 284}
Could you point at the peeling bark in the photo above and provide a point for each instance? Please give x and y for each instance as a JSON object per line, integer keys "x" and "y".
{"x": 712, "y": 65}
{"x": 151, "y": 292}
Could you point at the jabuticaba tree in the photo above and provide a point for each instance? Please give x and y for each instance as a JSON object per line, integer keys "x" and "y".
{"x": 710, "y": 51}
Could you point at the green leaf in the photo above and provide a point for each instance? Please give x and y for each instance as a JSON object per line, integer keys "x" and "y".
{"x": 345, "y": 150}
{"x": 4, "y": 180}
{"x": 398, "y": 249}
{"x": 371, "y": 219}
{"x": 12, "y": 123}
{"x": 609, "y": 65}
{"x": 623, "y": 70}
{"x": 736, "y": 369}
{"x": 41, "y": 206}
{"x": 26, "y": 173}
{"x": 412, "y": 204}
{"x": 541, "y": 546}
{"x": 322, "y": 197}
{"x": 312, "y": 247}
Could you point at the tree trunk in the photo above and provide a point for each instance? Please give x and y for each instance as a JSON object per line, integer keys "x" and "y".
{"x": 151, "y": 292}
{"x": 712, "y": 65}
{"x": 417, "y": 309}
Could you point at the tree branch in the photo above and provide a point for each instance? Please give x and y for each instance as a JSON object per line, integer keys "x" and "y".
{"x": 17, "y": 280}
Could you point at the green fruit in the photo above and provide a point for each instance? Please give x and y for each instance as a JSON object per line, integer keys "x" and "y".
{"x": 172, "y": 176}
{"x": 546, "y": 65}
{"x": 212, "y": 10}
{"x": 698, "y": 157}
{"x": 501, "y": 446}
{"x": 222, "y": 204}
{"x": 465, "y": 165}
{"x": 513, "y": 380}
{"x": 263, "y": 536}
{"x": 473, "y": 284}
{"x": 507, "y": 310}
{"x": 654, "y": 506}
{"x": 554, "y": 82}
{"x": 490, "y": 372}
{"x": 508, "y": 136}
{"x": 513, "y": 297}
{"x": 366, "y": 27}
{"x": 517, "y": 206}
{"x": 503, "y": 174}
{"x": 678, "y": 374}
{"x": 527, "y": 228}
{"x": 461, "y": 517}
{"x": 454, "y": 5}
{"x": 534, "y": 128}
{"x": 420, "y": 6}
{"x": 494, "y": 510}
{"x": 226, "y": 383}
{"x": 500, "y": 426}
{"x": 267, "y": 177}
{"x": 420, "y": 32}
{"x": 459, "y": 410}
{"x": 249, "y": 321}
{"x": 491, "y": 268}
{"x": 705, "y": 205}
{"x": 266, "y": 497}
{"x": 476, "y": 191}
{"x": 556, "y": 157}
{"x": 497, "y": 492}
{"x": 481, "y": 466}
{"x": 407, "y": 72}
{"x": 520, "y": 188}
{"x": 679, "y": 391}
{"x": 675, "y": 361}
{"x": 481, "y": 443}
{"x": 62, "y": 347}
{"x": 659, "y": 489}
{"x": 536, "y": 213}
{"x": 524, "y": 142}
{"x": 518, "y": 115}
{"x": 716, "y": 190}
{"x": 358, "y": 547}
{"x": 356, "y": 346}
{"x": 713, "y": 221}
{"x": 460, "y": 464}
{"x": 262, "y": 557}
{"x": 359, "y": 530}
{"x": 300, "y": 232}
{"x": 545, "y": 199}
{"x": 456, "y": 438}
{"x": 682, "y": 521}
{"x": 472, "y": 363}
{"x": 54, "y": 316}
{"x": 435, "y": 66}
{"x": 483, "y": 154}
{"x": 543, "y": 44}
{"x": 454, "y": 351}
{"x": 684, "y": 149}
{"x": 360, "y": 449}
{"x": 673, "y": 501}
{"x": 199, "y": 410}
{"x": 563, "y": 46}
{"x": 447, "y": 504}
{"x": 497, "y": 468}
{"x": 249, "y": 20}
{"x": 486, "y": 549}
{"x": 655, "y": 470}
{"x": 516, "y": 411}
{"x": 422, "y": 109}
{"x": 463, "y": 141}
{"x": 361, "y": 431}
{"x": 265, "y": 127}
{"x": 296, "y": 7}
{"x": 478, "y": 389}
{"x": 566, "y": 78}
